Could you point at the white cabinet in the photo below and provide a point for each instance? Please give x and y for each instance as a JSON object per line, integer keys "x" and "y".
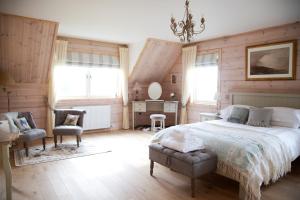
{"x": 170, "y": 107}
{"x": 139, "y": 106}
{"x": 154, "y": 106}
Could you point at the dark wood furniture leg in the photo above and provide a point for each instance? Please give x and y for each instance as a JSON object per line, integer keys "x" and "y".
{"x": 26, "y": 149}
{"x": 78, "y": 139}
{"x": 61, "y": 139}
{"x": 151, "y": 167}
{"x": 44, "y": 143}
{"x": 55, "y": 141}
{"x": 193, "y": 186}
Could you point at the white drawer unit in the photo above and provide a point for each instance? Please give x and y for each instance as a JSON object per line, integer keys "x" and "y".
{"x": 158, "y": 106}
{"x": 170, "y": 107}
{"x": 139, "y": 106}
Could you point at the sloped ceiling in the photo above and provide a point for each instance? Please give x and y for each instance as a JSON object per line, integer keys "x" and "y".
{"x": 155, "y": 61}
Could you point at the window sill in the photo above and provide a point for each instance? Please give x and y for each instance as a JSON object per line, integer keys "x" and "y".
{"x": 87, "y": 101}
{"x": 206, "y": 103}
{"x": 86, "y": 98}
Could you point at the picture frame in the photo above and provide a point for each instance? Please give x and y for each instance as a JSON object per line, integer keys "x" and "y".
{"x": 173, "y": 79}
{"x": 273, "y": 61}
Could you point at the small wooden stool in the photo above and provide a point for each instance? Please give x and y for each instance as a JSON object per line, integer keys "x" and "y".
{"x": 157, "y": 117}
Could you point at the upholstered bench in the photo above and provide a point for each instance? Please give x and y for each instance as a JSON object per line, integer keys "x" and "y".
{"x": 193, "y": 164}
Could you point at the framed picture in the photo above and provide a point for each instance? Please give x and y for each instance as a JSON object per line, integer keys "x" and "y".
{"x": 173, "y": 79}
{"x": 276, "y": 61}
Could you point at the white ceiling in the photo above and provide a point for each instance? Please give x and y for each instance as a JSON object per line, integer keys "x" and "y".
{"x": 132, "y": 21}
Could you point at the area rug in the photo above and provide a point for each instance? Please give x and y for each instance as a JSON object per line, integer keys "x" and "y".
{"x": 63, "y": 151}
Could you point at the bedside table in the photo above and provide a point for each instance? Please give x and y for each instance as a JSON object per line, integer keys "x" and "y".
{"x": 208, "y": 116}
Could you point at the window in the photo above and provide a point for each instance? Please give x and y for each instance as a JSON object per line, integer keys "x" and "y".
{"x": 87, "y": 78}
{"x": 204, "y": 76}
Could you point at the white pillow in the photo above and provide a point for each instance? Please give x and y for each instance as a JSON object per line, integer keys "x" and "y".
{"x": 286, "y": 117}
{"x": 225, "y": 113}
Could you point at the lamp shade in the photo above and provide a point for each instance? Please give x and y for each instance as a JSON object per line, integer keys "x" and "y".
{"x": 137, "y": 87}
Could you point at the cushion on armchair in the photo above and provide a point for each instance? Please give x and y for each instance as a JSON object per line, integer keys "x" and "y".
{"x": 22, "y": 124}
{"x": 33, "y": 134}
{"x": 28, "y": 116}
{"x": 67, "y": 130}
{"x": 71, "y": 120}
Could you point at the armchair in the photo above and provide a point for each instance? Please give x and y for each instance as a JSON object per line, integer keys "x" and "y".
{"x": 60, "y": 129}
{"x": 29, "y": 135}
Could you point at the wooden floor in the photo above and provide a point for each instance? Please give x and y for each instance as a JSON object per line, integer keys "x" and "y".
{"x": 124, "y": 174}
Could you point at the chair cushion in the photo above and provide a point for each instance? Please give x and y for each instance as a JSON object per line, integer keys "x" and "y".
{"x": 71, "y": 120}
{"x": 157, "y": 116}
{"x": 67, "y": 130}
{"x": 22, "y": 124}
{"x": 29, "y": 118}
{"x": 33, "y": 134}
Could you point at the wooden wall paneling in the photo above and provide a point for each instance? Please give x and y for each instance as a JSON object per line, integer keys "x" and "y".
{"x": 26, "y": 51}
{"x": 155, "y": 61}
{"x": 232, "y": 65}
{"x": 27, "y": 41}
{"x": 90, "y": 46}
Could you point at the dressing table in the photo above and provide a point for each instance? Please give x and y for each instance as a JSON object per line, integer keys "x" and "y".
{"x": 154, "y": 104}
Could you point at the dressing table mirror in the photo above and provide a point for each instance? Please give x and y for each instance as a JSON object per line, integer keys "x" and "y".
{"x": 154, "y": 91}
{"x": 154, "y": 104}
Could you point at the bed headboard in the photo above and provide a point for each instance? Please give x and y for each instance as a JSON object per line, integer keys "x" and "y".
{"x": 266, "y": 99}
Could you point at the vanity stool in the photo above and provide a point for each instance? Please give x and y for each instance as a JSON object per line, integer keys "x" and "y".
{"x": 157, "y": 117}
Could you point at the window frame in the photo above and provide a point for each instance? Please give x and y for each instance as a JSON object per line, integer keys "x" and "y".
{"x": 88, "y": 95}
{"x": 217, "y": 101}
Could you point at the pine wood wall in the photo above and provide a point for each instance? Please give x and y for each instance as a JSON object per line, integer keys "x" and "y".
{"x": 232, "y": 66}
{"x": 26, "y": 48}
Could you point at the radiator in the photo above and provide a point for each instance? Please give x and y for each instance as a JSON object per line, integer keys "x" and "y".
{"x": 96, "y": 117}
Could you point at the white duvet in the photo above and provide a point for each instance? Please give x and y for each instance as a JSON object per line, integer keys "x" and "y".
{"x": 247, "y": 154}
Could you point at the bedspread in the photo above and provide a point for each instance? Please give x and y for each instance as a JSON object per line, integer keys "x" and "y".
{"x": 249, "y": 155}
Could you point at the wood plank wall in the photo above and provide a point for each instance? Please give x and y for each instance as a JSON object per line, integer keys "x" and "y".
{"x": 232, "y": 66}
{"x": 155, "y": 61}
{"x": 26, "y": 47}
{"x": 101, "y": 48}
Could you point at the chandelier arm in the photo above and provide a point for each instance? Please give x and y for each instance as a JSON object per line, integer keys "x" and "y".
{"x": 186, "y": 31}
{"x": 202, "y": 29}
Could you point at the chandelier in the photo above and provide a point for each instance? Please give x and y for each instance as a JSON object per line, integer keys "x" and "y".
{"x": 186, "y": 31}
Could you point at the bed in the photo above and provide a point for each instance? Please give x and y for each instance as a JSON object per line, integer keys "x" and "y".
{"x": 249, "y": 155}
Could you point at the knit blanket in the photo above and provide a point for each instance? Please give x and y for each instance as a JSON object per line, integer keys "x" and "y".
{"x": 250, "y": 156}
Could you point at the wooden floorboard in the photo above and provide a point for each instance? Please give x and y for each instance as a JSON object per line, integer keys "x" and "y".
{"x": 123, "y": 174}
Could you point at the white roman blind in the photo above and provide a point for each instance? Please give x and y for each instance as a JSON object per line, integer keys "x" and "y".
{"x": 207, "y": 60}
{"x": 88, "y": 75}
{"x": 92, "y": 60}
